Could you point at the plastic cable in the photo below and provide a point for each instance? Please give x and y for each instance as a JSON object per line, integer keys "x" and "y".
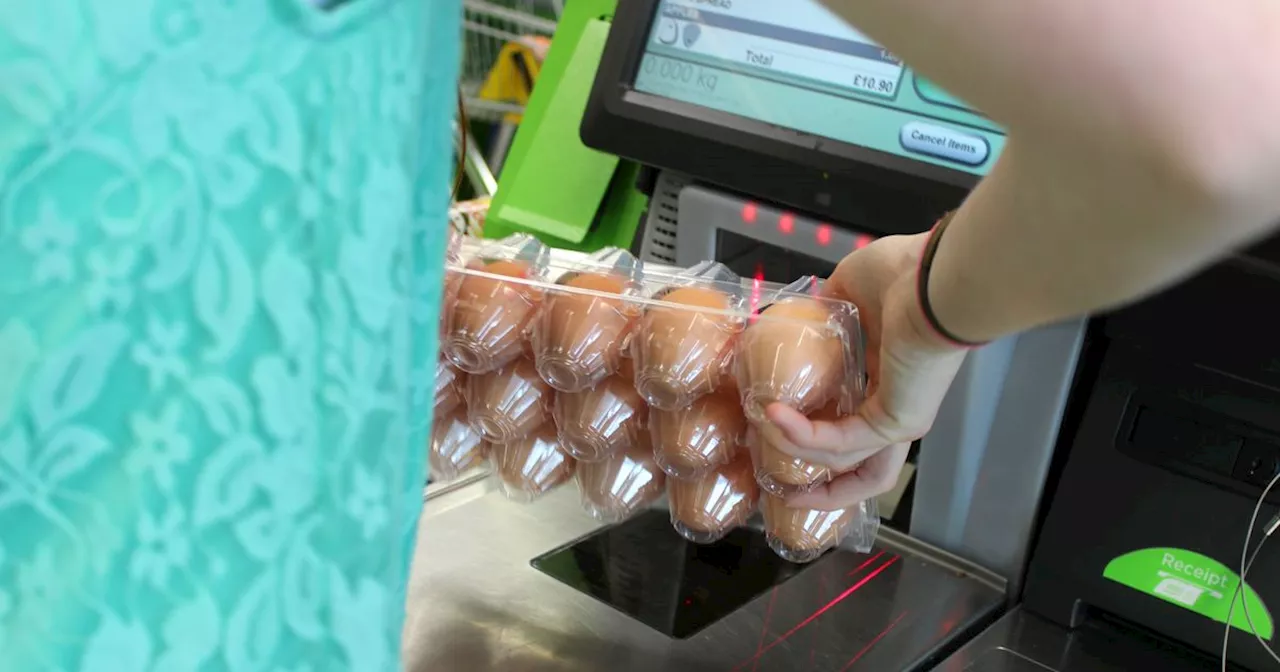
{"x": 1246, "y": 563}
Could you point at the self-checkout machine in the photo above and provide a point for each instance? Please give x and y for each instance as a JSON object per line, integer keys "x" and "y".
{"x": 1173, "y": 438}
{"x": 775, "y": 139}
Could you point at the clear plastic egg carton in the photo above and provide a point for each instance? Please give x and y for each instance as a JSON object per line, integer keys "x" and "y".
{"x": 688, "y": 333}
{"x": 639, "y": 382}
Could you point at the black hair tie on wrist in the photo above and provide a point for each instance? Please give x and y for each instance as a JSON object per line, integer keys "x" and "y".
{"x": 922, "y": 285}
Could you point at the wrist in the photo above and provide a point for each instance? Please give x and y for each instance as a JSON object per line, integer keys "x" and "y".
{"x": 920, "y": 331}
{"x": 925, "y": 317}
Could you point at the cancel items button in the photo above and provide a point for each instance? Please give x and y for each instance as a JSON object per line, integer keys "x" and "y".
{"x": 944, "y": 143}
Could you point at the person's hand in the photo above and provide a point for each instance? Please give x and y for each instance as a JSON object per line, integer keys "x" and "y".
{"x": 909, "y": 368}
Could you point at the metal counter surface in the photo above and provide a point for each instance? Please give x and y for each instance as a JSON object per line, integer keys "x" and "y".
{"x": 1023, "y": 642}
{"x": 476, "y": 603}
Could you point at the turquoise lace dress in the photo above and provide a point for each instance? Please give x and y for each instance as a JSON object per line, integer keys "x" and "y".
{"x": 222, "y": 227}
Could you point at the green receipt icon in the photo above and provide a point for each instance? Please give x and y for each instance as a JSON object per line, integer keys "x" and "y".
{"x": 1194, "y": 582}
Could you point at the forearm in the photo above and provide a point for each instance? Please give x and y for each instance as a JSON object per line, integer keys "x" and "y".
{"x": 1143, "y": 144}
{"x": 1142, "y": 74}
{"x": 1056, "y": 232}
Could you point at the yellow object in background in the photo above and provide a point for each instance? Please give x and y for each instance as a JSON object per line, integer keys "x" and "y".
{"x": 514, "y": 73}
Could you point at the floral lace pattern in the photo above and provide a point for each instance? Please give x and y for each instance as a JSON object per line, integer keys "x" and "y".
{"x": 222, "y": 228}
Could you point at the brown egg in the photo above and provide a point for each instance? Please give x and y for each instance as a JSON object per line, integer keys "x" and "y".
{"x": 803, "y": 535}
{"x": 706, "y": 508}
{"x": 531, "y": 467}
{"x": 487, "y": 327}
{"x": 783, "y": 475}
{"x": 448, "y": 299}
{"x": 619, "y": 486}
{"x": 599, "y": 422}
{"x": 792, "y": 355}
{"x": 509, "y": 403}
{"x": 455, "y": 446}
{"x": 681, "y": 353}
{"x": 578, "y": 338}
{"x": 450, "y": 387}
{"x": 696, "y": 439}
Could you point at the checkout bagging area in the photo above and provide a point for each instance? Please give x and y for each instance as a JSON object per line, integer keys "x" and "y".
{"x": 1081, "y": 502}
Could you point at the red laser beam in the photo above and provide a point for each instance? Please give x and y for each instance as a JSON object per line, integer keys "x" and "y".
{"x": 866, "y": 564}
{"x": 764, "y": 629}
{"x": 757, "y": 282}
{"x": 822, "y": 610}
{"x": 873, "y": 642}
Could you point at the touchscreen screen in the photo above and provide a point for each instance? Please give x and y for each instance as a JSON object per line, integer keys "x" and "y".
{"x": 796, "y": 65}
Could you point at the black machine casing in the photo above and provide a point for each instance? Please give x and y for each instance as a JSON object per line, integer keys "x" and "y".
{"x": 1178, "y": 435}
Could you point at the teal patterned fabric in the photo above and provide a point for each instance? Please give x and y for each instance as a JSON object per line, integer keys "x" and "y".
{"x": 222, "y": 226}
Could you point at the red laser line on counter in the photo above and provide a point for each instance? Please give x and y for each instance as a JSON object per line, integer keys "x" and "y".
{"x": 949, "y": 624}
{"x": 764, "y": 628}
{"x": 873, "y": 642}
{"x": 866, "y": 564}
{"x": 821, "y": 610}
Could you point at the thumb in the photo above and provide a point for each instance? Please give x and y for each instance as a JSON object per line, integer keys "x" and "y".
{"x": 830, "y": 288}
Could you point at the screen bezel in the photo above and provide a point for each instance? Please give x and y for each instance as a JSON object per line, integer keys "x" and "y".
{"x": 834, "y": 180}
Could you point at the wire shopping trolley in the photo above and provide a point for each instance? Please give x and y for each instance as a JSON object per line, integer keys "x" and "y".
{"x": 505, "y": 42}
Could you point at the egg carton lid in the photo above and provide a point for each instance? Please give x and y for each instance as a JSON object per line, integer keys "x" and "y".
{"x": 647, "y": 282}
